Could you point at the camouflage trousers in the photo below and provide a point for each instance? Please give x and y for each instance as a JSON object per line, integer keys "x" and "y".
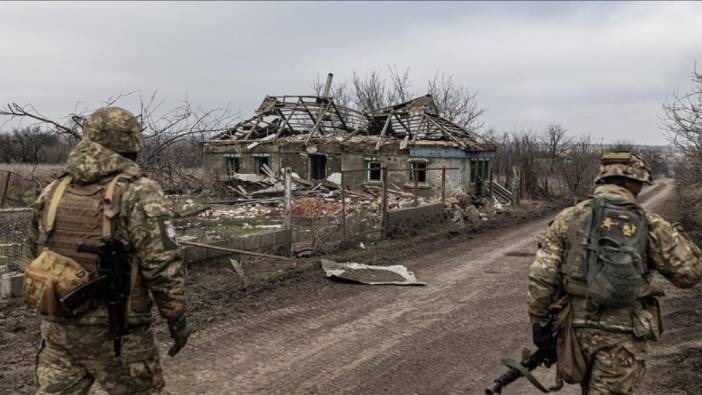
{"x": 73, "y": 357}
{"x": 616, "y": 361}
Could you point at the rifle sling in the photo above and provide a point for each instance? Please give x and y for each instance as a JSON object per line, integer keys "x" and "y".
{"x": 526, "y": 373}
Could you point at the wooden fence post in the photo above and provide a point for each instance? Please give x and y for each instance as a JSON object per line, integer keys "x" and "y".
{"x": 287, "y": 220}
{"x": 343, "y": 207}
{"x": 385, "y": 201}
{"x": 4, "y": 190}
{"x": 443, "y": 185}
{"x": 416, "y": 186}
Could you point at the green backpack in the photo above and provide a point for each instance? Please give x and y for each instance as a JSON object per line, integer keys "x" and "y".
{"x": 615, "y": 244}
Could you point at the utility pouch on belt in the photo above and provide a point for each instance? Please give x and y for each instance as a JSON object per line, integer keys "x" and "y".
{"x": 52, "y": 277}
{"x": 646, "y": 320}
{"x": 571, "y": 366}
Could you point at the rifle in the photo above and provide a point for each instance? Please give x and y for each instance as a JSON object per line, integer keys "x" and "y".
{"x": 529, "y": 362}
{"x": 110, "y": 286}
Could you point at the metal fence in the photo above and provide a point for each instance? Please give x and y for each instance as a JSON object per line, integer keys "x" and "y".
{"x": 14, "y": 226}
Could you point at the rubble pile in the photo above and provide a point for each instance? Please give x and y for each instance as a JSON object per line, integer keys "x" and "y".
{"x": 314, "y": 207}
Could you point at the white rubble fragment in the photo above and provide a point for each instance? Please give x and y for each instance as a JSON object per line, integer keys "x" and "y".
{"x": 335, "y": 178}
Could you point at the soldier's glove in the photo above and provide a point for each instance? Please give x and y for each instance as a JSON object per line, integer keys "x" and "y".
{"x": 180, "y": 331}
{"x": 544, "y": 339}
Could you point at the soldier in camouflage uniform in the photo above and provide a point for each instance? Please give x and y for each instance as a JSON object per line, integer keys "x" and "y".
{"x": 612, "y": 341}
{"x": 78, "y": 350}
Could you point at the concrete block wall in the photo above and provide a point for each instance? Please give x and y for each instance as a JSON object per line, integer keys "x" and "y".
{"x": 276, "y": 242}
{"x": 411, "y": 218}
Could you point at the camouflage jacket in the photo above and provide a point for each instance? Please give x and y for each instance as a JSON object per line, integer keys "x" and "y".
{"x": 558, "y": 261}
{"x": 141, "y": 225}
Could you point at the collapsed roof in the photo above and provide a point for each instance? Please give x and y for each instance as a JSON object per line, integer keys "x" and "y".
{"x": 318, "y": 116}
{"x": 281, "y": 116}
{"x": 418, "y": 119}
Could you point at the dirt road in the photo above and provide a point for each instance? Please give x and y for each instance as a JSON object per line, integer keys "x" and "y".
{"x": 447, "y": 337}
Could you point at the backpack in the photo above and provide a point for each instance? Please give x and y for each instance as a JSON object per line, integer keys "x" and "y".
{"x": 614, "y": 259}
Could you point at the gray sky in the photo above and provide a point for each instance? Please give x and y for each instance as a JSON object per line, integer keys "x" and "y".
{"x": 598, "y": 68}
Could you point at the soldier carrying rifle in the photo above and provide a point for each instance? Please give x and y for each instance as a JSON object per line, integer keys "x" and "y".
{"x": 591, "y": 300}
{"x": 103, "y": 242}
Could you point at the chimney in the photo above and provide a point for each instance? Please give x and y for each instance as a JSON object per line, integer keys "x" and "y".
{"x": 327, "y": 86}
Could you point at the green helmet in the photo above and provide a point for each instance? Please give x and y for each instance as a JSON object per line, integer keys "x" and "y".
{"x": 114, "y": 128}
{"x": 624, "y": 164}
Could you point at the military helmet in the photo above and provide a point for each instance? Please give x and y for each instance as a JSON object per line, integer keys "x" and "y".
{"x": 624, "y": 164}
{"x": 114, "y": 128}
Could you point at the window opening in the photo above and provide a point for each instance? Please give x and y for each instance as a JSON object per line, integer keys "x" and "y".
{"x": 259, "y": 161}
{"x": 232, "y": 164}
{"x": 479, "y": 168}
{"x": 374, "y": 170}
{"x": 420, "y": 170}
{"x": 318, "y": 167}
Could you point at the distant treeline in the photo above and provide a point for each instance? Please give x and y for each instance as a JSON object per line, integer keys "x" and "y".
{"x": 551, "y": 163}
{"x": 34, "y": 145}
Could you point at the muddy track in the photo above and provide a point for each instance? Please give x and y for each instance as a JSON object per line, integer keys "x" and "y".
{"x": 447, "y": 337}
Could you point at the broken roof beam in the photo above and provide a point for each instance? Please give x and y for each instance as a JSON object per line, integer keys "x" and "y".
{"x": 253, "y": 129}
{"x": 397, "y": 116}
{"x": 419, "y": 128}
{"x": 285, "y": 123}
{"x": 318, "y": 124}
{"x": 341, "y": 118}
{"x": 447, "y": 133}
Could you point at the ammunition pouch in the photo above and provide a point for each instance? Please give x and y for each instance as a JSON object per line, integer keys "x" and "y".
{"x": 49, "y": 278}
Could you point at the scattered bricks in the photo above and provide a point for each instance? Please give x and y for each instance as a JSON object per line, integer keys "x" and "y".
{"x": 11, "y": 284}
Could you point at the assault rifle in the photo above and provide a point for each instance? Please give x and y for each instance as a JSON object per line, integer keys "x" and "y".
{"x": 517, "y": 370}
{"x": 530, "y": 361}
{"x": 110, "y": 286}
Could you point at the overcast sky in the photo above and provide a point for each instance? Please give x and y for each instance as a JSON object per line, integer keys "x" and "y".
{"x": 597, "y": 68}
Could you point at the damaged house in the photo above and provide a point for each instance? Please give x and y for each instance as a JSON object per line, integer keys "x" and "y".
{"x": 319, "y": 139}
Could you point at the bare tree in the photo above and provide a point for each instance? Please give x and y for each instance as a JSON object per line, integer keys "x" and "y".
{"x": 378, "y": 89}
{"x": 579, "y": 168}
{"x": 14, "y": 111}
{"x": 399, "y": 91}
{"x": 369, "y": 92}
{"x": 554, "y": 139}
{"x": 171, "y": 136}
{"x": 455, "y": 102}
{"x": 683, "y": 125}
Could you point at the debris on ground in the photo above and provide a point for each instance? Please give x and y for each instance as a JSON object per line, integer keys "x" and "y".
{"x": 369, "y": 274}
